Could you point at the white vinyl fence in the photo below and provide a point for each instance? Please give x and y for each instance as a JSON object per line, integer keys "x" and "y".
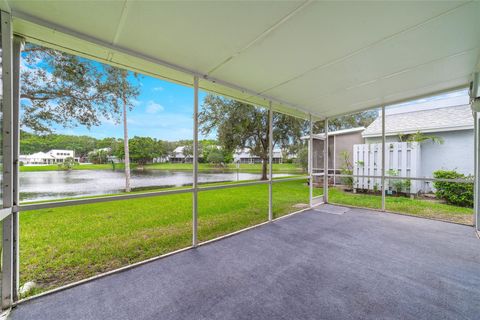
{"x": 402, "y": 159}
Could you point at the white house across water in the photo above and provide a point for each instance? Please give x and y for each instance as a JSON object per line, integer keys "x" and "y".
{"x": 50, "y": 157}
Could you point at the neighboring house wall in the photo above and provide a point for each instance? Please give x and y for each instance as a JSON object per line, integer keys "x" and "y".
{"x": 344, "y": 143}
{"x": 455, "y": 153}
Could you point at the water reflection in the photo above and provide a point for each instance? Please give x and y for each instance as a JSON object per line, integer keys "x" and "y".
{"x": 49, "y": 185}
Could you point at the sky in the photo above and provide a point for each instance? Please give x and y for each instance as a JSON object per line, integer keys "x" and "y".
{"x": 163, "y": 110}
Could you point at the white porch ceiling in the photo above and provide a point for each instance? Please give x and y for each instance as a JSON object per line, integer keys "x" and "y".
{"x": 323, "y": 58}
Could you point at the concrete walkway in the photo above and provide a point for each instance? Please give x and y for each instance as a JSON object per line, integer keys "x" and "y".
{"x": 328, "y": 263}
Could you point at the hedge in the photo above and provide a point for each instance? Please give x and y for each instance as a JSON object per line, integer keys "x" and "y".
{"x": 456, "y": 193}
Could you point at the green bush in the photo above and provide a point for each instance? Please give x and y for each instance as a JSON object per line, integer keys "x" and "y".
{"x": 215, "y": 156}
{"x": 456, "y": 193}
{"x": 302, "y": 158}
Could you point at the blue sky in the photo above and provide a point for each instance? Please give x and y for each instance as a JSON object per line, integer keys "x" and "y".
{"x": 163, "y": 110}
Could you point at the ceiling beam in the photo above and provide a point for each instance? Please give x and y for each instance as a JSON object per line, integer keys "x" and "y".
{"x": 121, "y": 21}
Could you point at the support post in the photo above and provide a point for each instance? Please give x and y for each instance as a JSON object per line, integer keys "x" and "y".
{"x": 383, "y": 158}
{"x": 310, "y": 161}
{"x": 18, "y": 43}
{"x": 476, "y": 204}
{"x": 270, "y": 162}
{"x": 475, "y": 105}
{"x": 325, "y": 163}
{"x": 195, "y": 163}
{"x": 7, "y": 185}
{"x": 334, "y": 160}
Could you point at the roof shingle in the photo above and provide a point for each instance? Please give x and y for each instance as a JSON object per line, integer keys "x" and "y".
{"x": 434, "y": 120}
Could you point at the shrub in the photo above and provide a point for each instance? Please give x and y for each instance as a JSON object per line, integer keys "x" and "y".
{"x": 456, "y": 193}
{"x": 302, "y": 158}
{"x": 68, "y": 164}
{"x": 215, "y": 156}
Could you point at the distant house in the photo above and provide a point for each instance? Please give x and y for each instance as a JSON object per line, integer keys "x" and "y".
{"x": 110, "y": 157}
{"x": 51, "y": 157}
{"x": 452, "y": 124}
{"x": 178, "y": 156}
{"x": 239, "y": 156}
{"x": 245, "y": 156}
{"x": 162, "y": 159}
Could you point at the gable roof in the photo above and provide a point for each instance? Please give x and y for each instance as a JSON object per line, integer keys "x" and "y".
{"x": 321, "y": 136}
{"x": 434, "y": 120}
{"x": 38, "y": 155}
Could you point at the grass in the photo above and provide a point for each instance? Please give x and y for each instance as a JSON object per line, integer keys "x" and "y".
{"x": 67, "y": 244}
{"x": 55, "y": 167}
{"x": 256, "y": 167}
{"x": 277, "y": 167}
{"x": 416, "y": 207}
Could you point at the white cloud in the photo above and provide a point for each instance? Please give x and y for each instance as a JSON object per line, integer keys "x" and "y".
{"x": 153, "y": 107}
{"x": 135, "y": 102}
{"x": 158, "y": 89}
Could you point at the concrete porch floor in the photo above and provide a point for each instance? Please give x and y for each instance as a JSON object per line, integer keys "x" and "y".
{"x": 328, "y": 263}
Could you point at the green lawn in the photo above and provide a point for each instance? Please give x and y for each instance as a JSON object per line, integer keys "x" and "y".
{"x": 277, "y": 167}
{"x": 286, "y": 167}
{"x": 54, "y": 167}
{"x": 62, "y": 245}
{"x": 416, "y": 207}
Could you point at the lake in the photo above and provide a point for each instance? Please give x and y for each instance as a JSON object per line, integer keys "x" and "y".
{"x": 51, "y": 185}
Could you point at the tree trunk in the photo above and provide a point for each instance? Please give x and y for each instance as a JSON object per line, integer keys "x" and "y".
{"x": 125, "y": 144}
{"x": 264, "y": 169}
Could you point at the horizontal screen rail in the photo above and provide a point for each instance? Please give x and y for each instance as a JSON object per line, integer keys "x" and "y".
{"x": 290, "y": 179}
{"x": 232, "y": 185}
{"x": 249, "y": 183}
{"x": 400, "y": 178}
{"x": 75, "y": 202}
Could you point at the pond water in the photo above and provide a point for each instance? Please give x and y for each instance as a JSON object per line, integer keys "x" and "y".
{"x": 50, "y": 185}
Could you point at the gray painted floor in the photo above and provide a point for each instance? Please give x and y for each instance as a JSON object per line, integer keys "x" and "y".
{"x": 322, "y": 264}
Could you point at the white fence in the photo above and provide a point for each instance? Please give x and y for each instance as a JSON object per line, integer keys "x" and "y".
{"x": 402, "y": 159}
